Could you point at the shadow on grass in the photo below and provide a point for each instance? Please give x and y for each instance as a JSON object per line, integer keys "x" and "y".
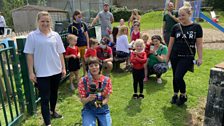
{"x": 64, "y": 90}
{"x": 176, "y": 115}
{"x": 133, "y": 107}
{"x": 151, "y": 85}
{"x": 119, "y": 74}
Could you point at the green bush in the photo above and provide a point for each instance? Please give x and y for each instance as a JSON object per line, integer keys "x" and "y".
{"x": 122, "y": 12}
{"x": 119, "y": 13}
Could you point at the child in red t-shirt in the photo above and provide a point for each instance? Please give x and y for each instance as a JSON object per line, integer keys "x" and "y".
{"x": 73, "y": 55}
{"x": 145, "y": 38}
{"x": 91, "y": 52}
{"x": 136, "y": 32}
{"x": 138, "y": 59}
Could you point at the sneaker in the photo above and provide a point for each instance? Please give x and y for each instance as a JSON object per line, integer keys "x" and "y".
{"x": 140, "y": 96}
{"x": 182, "y": 99}
{"x": 55, "y": 115}
{"x": 145, "y": 79}
{"x": 174, "y": 99}
{"x": 159, "y": 81}
{"x": 135, "y": 96}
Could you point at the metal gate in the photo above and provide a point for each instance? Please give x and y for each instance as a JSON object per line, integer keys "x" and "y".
{"x": 11, "y": 91}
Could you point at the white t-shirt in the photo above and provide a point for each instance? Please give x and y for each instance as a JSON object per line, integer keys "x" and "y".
{"x": 45, "y": 50}
{"x": 122, "y": 44}
{"x": 2, "y": 21}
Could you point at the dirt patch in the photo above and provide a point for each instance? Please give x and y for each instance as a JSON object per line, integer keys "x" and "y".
{"x": 196, "y": 115}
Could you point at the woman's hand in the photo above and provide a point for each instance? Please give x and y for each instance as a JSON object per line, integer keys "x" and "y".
{"x": 33, "y": 78}
{"x": 91, "y": 97}
{"x": 199, "y": 62}
{"x": 63, "y": 72}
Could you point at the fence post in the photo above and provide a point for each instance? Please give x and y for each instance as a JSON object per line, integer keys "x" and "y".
{"x": 17, "y": 78}
{"x": 28, "y": 86}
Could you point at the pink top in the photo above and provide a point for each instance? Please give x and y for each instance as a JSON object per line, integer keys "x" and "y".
{"x": 135, "y": 36}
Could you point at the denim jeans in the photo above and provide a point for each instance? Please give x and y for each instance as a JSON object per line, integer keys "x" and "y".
{"x": 90, "y": 114}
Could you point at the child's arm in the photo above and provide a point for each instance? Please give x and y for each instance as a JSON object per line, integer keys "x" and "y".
{"x": 70, "y": 56}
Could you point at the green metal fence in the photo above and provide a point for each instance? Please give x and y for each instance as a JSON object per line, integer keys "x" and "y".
{"x": 11, "y": 92}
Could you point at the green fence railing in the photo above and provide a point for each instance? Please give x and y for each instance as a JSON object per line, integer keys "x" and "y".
{"x": 11, "y": 94}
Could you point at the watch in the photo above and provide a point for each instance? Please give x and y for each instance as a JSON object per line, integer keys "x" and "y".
{"x": 156, "y": 54}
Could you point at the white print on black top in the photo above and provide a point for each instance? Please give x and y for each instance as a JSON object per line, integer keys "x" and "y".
{"x": 188, "y": 35}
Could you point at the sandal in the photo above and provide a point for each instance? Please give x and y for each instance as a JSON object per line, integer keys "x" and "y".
{"x": 135, "y": 96}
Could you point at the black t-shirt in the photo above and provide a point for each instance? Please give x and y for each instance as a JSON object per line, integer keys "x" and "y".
{"x": 191, "y": 33}
{"x": 78, "y": 29}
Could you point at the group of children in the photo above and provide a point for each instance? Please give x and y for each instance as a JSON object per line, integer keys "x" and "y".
{"x": 137, "y": 53}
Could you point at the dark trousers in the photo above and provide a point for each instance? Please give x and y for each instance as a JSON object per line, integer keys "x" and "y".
{"x": 180, "y": 67}
{"x": 48, "y": 91}
{"x": 151, "y": 71}
{"x": 138, "y": 77}
{"x": 2, "y": 30}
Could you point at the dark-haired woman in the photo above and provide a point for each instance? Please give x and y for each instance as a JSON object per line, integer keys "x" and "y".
{"x": 157, "y": 58}
{"x": 94, "y": 90}
{"x": 79, "y": 28}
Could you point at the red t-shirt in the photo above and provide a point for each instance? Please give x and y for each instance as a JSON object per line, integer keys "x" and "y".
{"x": 138, "y": 59}
{"x": 135, "y": 36}
{"x": 103, "y": 54}
{"x": 72, "y": 50}
{"x": 147, "y": 49}
{"x": 81, "y": 88}
{"x": 90, "y": 53}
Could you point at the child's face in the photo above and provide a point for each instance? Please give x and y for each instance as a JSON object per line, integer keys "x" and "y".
{"x": 94, "y": 46}
{"x": 139, "y": 47}
{"x": 73, "y": 41}
{"x": 145, "y": 40}
{"x": 136, "y": 27}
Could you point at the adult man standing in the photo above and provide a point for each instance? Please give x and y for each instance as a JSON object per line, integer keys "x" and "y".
{"x": 2, "y": 24}
{"x": 106, "y": 19}
{"x": 170, "y": 18}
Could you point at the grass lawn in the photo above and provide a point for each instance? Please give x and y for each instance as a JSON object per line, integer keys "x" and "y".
{"x": 154, "y": 110}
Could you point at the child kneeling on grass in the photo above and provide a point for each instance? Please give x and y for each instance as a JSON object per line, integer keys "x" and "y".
{"x": 73, "y": 56}
{"x": 138, "y": 59}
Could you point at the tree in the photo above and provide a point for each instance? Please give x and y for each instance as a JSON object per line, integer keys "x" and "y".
{"x": 216, "y": 4}
{"x": 8, "y": 6}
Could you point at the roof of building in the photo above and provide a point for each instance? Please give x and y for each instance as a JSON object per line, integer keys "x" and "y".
{"x": 40, "y": 8}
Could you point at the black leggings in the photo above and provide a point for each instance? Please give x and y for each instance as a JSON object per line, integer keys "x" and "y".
{"x": 48, "y": 91}
{"x": 180, "y": 67}
{"x": 138, "y": 77}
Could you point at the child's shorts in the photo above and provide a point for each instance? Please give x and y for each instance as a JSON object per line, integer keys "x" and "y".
{"x": 73, "y": 64}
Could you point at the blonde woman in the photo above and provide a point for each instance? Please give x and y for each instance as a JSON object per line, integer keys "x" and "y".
{"x": 44, "y": 49}
{"x": 135, "y": 17}
{"x": 186, "y": 38}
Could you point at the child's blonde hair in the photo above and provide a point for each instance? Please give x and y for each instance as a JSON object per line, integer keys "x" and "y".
{"x": 93, "y": 41}
{"x": 122, "y": 30}
{"x": 145, "y": 36}
{"x": 139, "y": 42}
{"x": 71, "y": 37}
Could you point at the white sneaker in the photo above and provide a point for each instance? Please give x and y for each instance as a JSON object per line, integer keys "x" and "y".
{"x": 159, "y": 81}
